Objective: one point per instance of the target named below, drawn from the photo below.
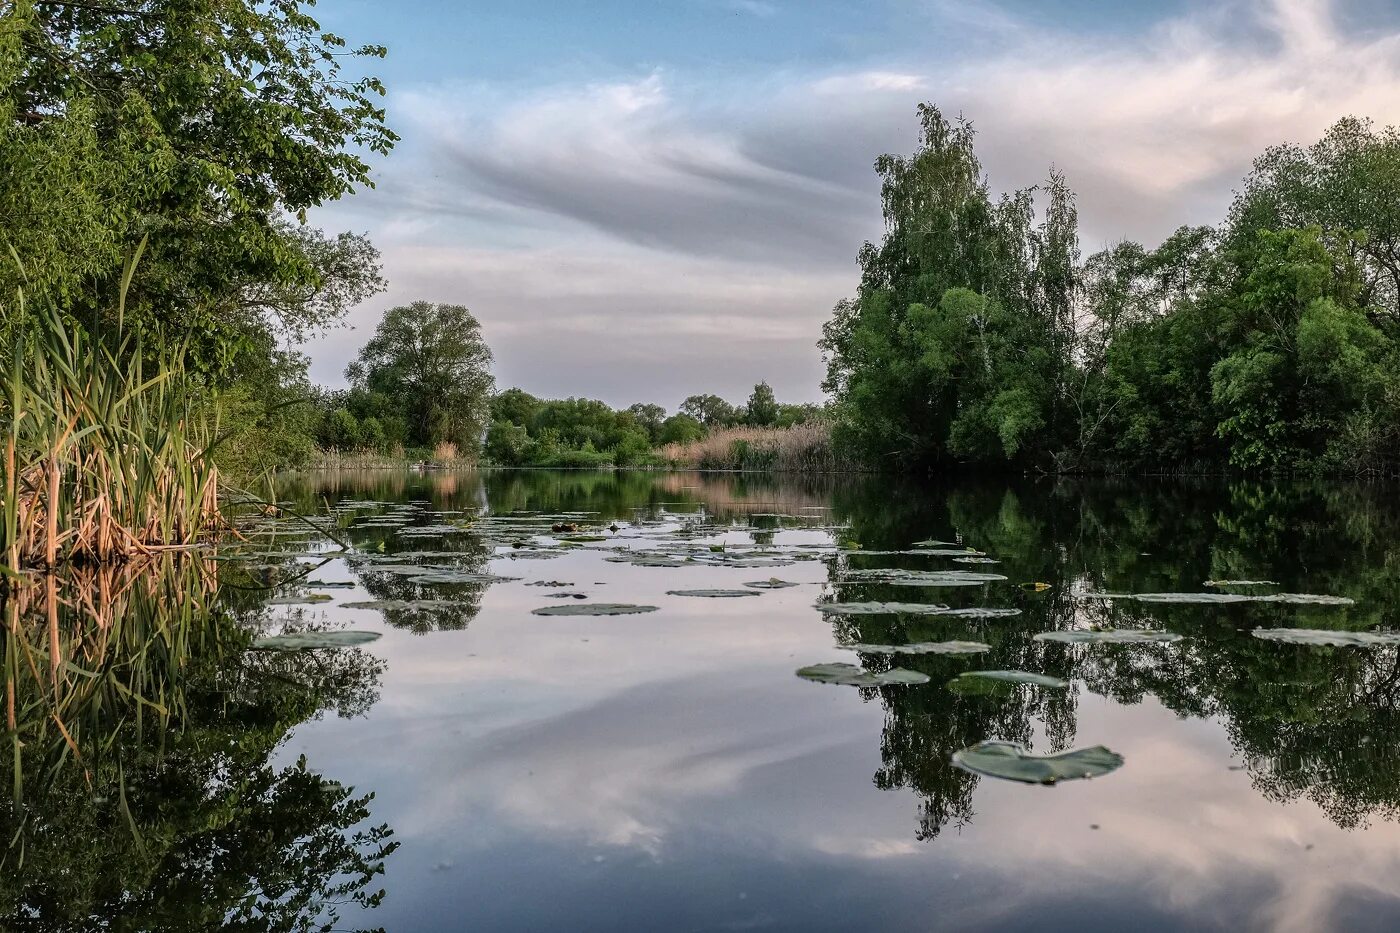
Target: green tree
(710, 410)
(895, 353)
(649, 417)
(200, 126)
(431, 361)
(680, 429)
(762, 407)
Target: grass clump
(104, 458)
(800, 448)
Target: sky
(641, 201)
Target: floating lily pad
(301, 600)
(1308, 599)
(1190, 598)
(1011, 761)
(402, 604)
(841, 673)
(1119, 636)
(593, 609)
(1298, 599)
(935, 543)
(306, 641)
(713, 594)
(924, 647)
(872, 608)
(549, 583)
(1017, 677)
(975, 560)
(332, 584)
(980, 612)
(771, 584)
(1312, 636)
(1240, 583)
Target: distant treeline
(978, 335)
(577, 432)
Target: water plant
(105, 457)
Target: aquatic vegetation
(927, 609)
(593, 609)
(1324, 637)
(104, 458)
(771, 584)
(1108, 636)
(1011, 761)
(312, 640)
(713, 594)
(1015, 677)
(923, 647)
(851, 675)
(900, 577)
(876, 608)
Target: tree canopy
(979, 336)
(430, 363)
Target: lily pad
(306, 641)
(1240, 583)
(713, 594)
(1191, 598)
(924, 647)
(980, 612)
(401, 604)
(1312, 636)
(771, 584)
(301, 600)
(975, 560)
(593, 609)
(1017, 677)
(1011, 761)
(841, 673)
(1117, 636)
(872, 608)
(1308, 599)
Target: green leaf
(1010, 761)
(851, 675)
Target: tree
(710, 410)
(431, 361)
(1346, 183)
(960, 287)
(649, 417)
(680, 429)
(198, 127)
(762, 407)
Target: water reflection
(668, 769)
(142, 736)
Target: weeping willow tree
(959, 344)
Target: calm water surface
(668, 770)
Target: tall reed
(103, 457)
(802, 448)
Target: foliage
(978, 337)
(102, 461)
(958, 344)
(429, 363)
(200, 127)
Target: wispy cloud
(675, 187)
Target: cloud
(715, 219)
(760, 8)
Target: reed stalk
(104, 458)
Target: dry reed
(103, 458)
(802, 448)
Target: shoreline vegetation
(157, 276)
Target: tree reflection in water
(1307, 723)
(142, 737)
